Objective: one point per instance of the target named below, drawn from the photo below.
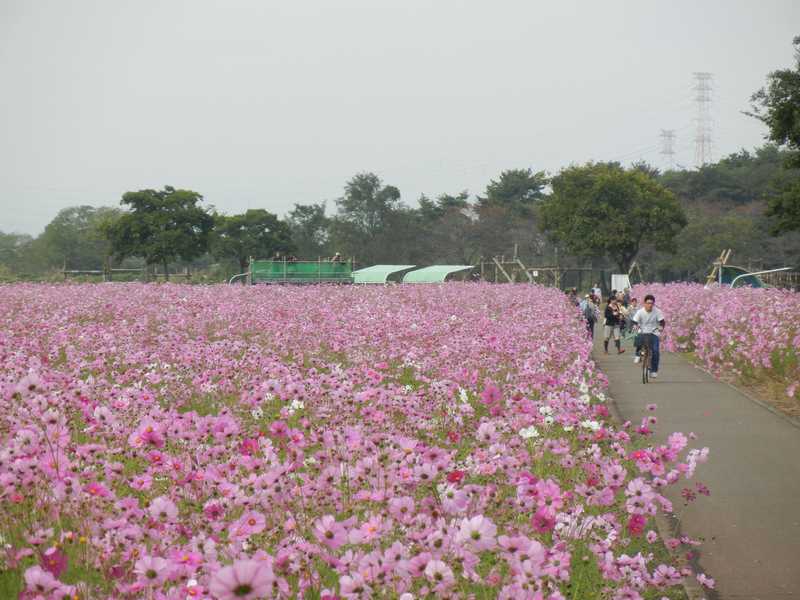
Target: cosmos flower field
(750, 335)
(190, 442)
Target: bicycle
(647, 356)
(646, 352)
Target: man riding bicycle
(650, 322)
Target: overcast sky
(261, 103)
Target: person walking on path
(650, 322)
(613, 319)
(589, 311)
(597, 293)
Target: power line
(668, 147)
(703, 140)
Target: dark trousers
(590, 327)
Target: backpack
(588, 312)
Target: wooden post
(503, 270)
(525, 270)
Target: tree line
(601, 215)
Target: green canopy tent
(434, 274)
(378, 273)
(731, 272)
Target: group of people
(623, 314)
(337, 258)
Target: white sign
(536, 273)
(619, 282)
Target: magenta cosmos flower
(244, 579)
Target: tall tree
(75, 237)
(517, 190)
(12, 250)
(365, 217)
(310, 230)
(604, 209)
(778, 107)
(257, 233)
(367, 203)
(161, 226)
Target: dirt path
(751, 521)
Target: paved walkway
(751, 521)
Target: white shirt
(648, 321)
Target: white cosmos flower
(548, 420)
(529, 432)
(589, 424)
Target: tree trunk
(166, 271)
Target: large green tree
(257, 233)
(778, 106)
(13, 247)
(310, 230)
(75, 237)
(517, 190)
(367, 203)
(161, 226)
(603, 209)
(368, 219)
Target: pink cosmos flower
(454, 500)
(151, 570)
(544, 520)
(213, 510)
(557, 565)
(96, 489)
(636, 524)
(163, 509)
(54, 561)
(491, 394)
(250, 523)
(279, 429)
(478, 533)
(243, 580)
(329, 532)
(401, 507)
(706, 581)
(39, 581)
(354, 586)
(440, 574)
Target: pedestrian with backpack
(589, 311)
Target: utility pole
(668, 147)
(702, 86)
